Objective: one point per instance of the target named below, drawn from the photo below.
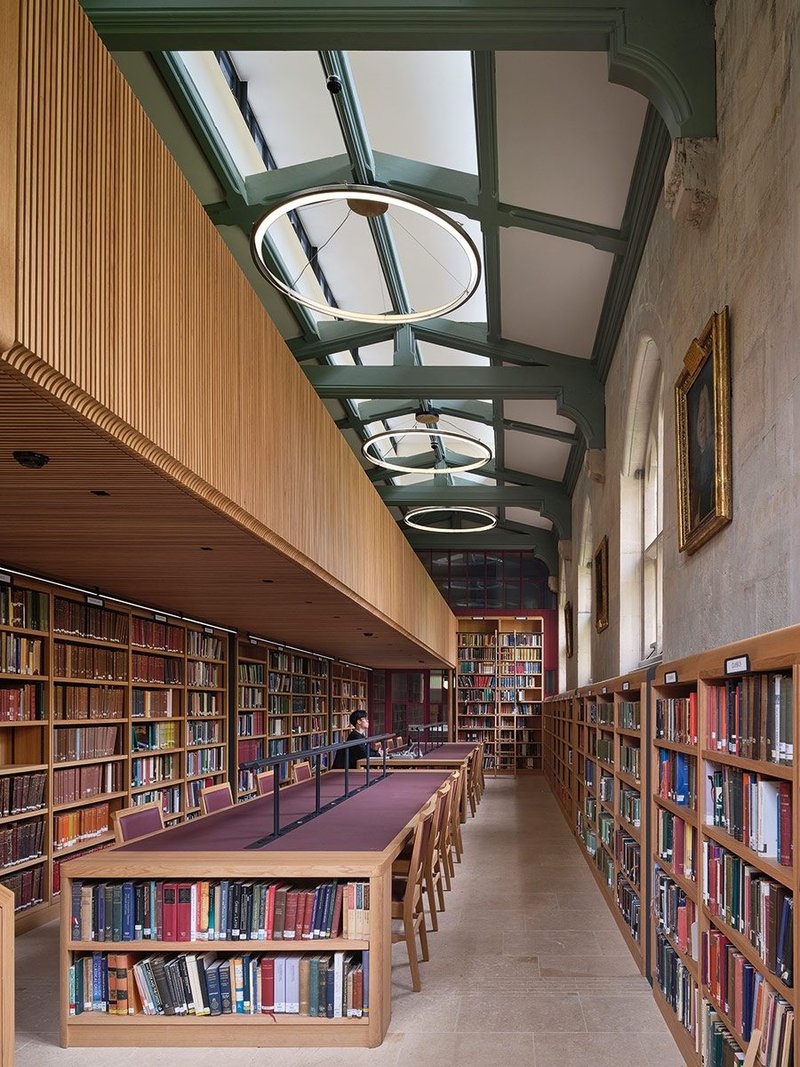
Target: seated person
(349, 757)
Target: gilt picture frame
(703, 436)
(568, 635)
(600, 569)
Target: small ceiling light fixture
(489, 520)
(429, 432)
(367, 201)
(99, 492)
(32, 460)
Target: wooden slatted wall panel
(127, 290)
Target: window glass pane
(512, 566)
(399, 685)
(512, 595)
(494, 594)
(529, 565)
(416, 685)
(494, 566)
(439, 565)
(529, 595)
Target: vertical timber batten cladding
(113, 277)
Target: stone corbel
(595, 464)
(690, 180)
(552, 583)
(565, 550)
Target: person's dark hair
(356, 715)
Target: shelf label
(670, 677)
(626, 685)
(95, 600)
(159, 618)
(737, 665)
(208, 629)
(604, 689)
(5, 577)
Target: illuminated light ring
(331, 193)
(430, 434)
(453, 509)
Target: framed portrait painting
(600, 567)
(568, 638)
(703, 436)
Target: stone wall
(746, 580)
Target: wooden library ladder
(6, 977)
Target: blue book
(223, 924)
(214, 991)
(99, 911)
(128, 912)
(329, 993)
(76, 912)
(747, 1001)
(681, 778)
(313, 983)
(225, 990)
(782, 941)
(98, 1004)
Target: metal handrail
(435, 728)
(316, 755)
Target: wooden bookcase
(282, 706)
(559, 751)
(349, 693)
(500, 690)
(115, 700)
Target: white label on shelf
(604, 689)
(737, 665)
(159, 618)
(208, 629)
(95, 600)
(5, 577)
(626, 685)
(670, 677)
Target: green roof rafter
(554, 504)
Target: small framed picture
(568, 638)
(703, 436)
(600, 568)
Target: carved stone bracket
(595, 464)
(690, 180)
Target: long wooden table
(447, 756)
(356, 840)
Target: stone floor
(528, 967)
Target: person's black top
(349, 757)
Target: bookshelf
(102, 707)
(349, 693)
(282, 706)
(500, 691)
(559, 751)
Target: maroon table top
(451, 751)
(367, 822)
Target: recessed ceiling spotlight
(268, 581)
(368, 633)
(99, 492)
(32, 460)
(205, 548)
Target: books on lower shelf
(676, 843)
(21, 655)
(675, 912)
(83, 824)
(676, 982)
(21, 703)
(753, 809)
(84, 742)
(677, 777)
(752, 717)
(21, 792)
(676, 719)
(219, 910)
(333, 985)
(77, 783)
(88, 702)
(86, 661)
(21, 841)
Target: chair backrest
(141, 819)
(439, 835)
(216, 798)
(265, 783)
(459, 777)
(422, 836)
(302, 771)
(398, 743)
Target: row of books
(223, 910)
(677, 777)
(676, 982)
(205, 761)
(676, 719)
(251, 698)
(77, 783)
(471, 695)
(332, 985)
(21, 655)
(154, 703)
(84, 742)
(205, 646)
(476, 640)
(720, 1049)
(203, 733)
(160, 636)
(516, 639)
(80, 825)
(753, 904)
(21, 841)
(601, 713)
(87, 620)
(524, 653)
(163, 669)
(628, 854)
(675, 912)
(154, 736)
(202, 705)
(24, 608)
(476, 666)
(756, 811)
(21, 703)
(345, 689)
(150, 770)
(630, 805)
(27, 886)
(630, 907)
(629, 760)
(740, 990)
(169, 797)
(676, 843)
(630, 715)
(86, 661)
(752, 717)
(89, 702)
(21, 792)
(203, 675)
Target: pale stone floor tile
(520, 969)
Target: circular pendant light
(411, 517)
(367, 201)
(430, 434)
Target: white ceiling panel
(287, 93)
(570, 148)
(419, 105)
(439, 356)
(552, 290)
(537, 413)
(535, 455)
(528, 516)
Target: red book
(693, 719)
(271, 909)
(337, 911)
(309, 914)
(170, 912)
(158, 918)
(267, 984)
(302, 904)
(184, 911)
(290, 916)
(785, 823)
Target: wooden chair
(216, 798)
(407, 894)
(302, 771)
(481, 781)
(137, 821)
(456, 841)
(471, 784)
(432, 860)
(446, 840)
(752, 1049)
(265, 783)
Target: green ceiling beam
(484, 100)
(554, 504)
(339, 336)
(664, 49)
(578, 397)
(542, 542)
(422, 461)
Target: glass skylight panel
(288, 96)
(342, 359)
(214, 92)
(537, 413)
(439, 356)
(529, 517)
(419, 105)
(379, 355)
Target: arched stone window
(583, 616)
